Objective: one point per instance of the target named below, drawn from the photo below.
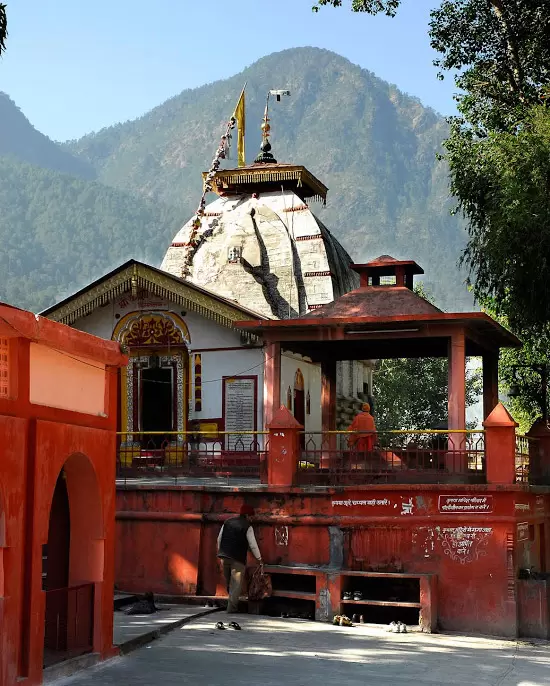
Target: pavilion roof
(377, 322)
(379, 301)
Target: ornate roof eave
(269, 173)
(136, 276)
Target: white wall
(312, 383)
(216, 365)
(212, 340)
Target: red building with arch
(58, 407)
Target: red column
(490, 383)
(284, 448)
(500, 446)
(456, 458)
(457, 381)
(272, 380)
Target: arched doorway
(154, 387)
(299, 409)
(299, 398)
(72, 561)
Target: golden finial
(265, 155)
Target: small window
(388, 280)
(234, 255)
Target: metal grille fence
(527, 453)
(341, 457)
(177, 454)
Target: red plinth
(500, 446)
(284, 447)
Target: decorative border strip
(198, 382)
(318, 273)
(308, 238)
(139, 276)
(298, 208)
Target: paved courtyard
(274, 652)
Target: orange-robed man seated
(364, 423)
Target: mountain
(19, 139)
(58, 229)
(374, 146)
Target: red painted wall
(36, 443)
(169, 535)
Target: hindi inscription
(240, 411)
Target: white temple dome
(265, 250)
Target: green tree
(515, 369)
(412, 393)
(3, 27)
(389, 7)
(499, 53)
(503, 185)
(499, 157)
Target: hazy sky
(75, 66)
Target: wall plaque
(240, 411)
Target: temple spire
(265, 156)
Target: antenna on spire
(265, 156)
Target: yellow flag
(240, 117)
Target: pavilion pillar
(272, 380)
(456, 460)
(328, 411)
(490, 383)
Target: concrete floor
(128, 627)
(277, 652)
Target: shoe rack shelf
(414, 593)
(381, 603)
(294, 595)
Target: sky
(74, 66)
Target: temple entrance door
(73, 562)
(157, 403)
(55, 573)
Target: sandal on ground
(235, 626)
(220, 625)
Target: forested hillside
(19, 139)
(372, 145)
(59, 232)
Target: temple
(260, 252)
(250, 351)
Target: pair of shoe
(231, 625)
(352, 595)
(358, 619)
(398, 628)
(342, 620)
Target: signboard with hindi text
(240, 399)
(461, 503)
